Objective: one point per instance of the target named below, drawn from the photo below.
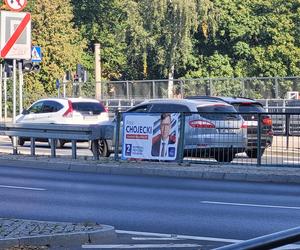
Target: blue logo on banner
(128, 149)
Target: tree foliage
(156, 39)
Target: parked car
(249, 109)
(210, 134)
(65, 111)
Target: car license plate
(227, 130)
(90, 117)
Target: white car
(65, 111)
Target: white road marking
(155, 238)
(248, 205)
(189, 237)
(140, 246)
(25, 188)
(181, 237)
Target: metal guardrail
(266, 242)
(54, 132)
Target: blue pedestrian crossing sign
(36, 54)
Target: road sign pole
(14, 89)
(5, 96)
(15, 150)
(21, 82)
(1, 82)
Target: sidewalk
(16, 233)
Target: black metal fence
(270, 139)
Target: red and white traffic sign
(15, 40)
(16, 5)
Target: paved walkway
(16, 232)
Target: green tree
(103, 22)
(62, 46)
(159, 35)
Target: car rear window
(216, 112)
(243, 107)
(90, 108)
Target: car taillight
(201, 124)
(69, 112)
(105, 108)
(267, 121)
(244, 125)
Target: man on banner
(163, 145)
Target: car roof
(186, 102)
(230, 100)
(73, 99)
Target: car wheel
(224, 156)
(252, 153)
(20, 141)
(102, 148)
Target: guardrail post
(14, 144)
(181, 138)
(259, 140)
(32, 146)
(117, 135)
(95, 149)
(53, 147)
(74, 149)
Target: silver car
(212, 129)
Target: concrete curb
(106, 233)
(195, 171)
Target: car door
(50, 113)
(32, 114)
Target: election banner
(150, 136)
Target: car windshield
(88, 107)
(219, 112)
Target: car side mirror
(25, 112)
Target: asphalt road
(218, 209)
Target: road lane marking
(24, 188)
(181, 237)
(189, 237)
(248, 205)
(155, 238)
(140, 246)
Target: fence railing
(252, 87)
(258, 144)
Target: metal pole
(153, 89)
(14, 90)
(1, 82)
(127, 90)
(276, 88)
(117, 134)
(15, 150)
(74, 149)
(64, 84)
(259, 140)
(21, 82)
(5, 96)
